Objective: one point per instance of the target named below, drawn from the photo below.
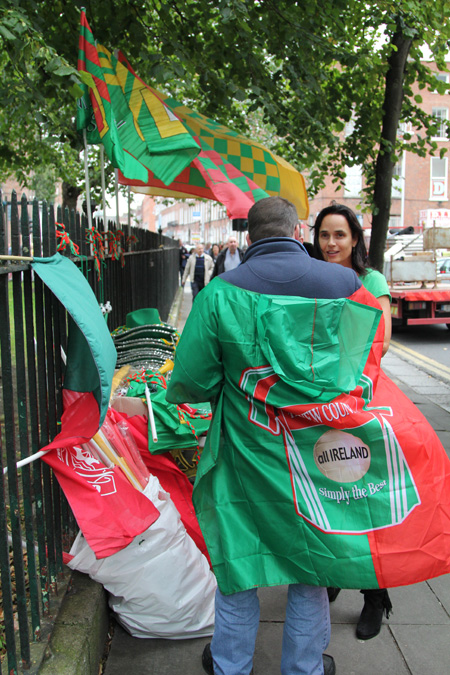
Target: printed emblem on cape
(89, 468)
(348, 472)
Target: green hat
(143, 317)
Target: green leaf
(76, 91)
(63, 71)
(7, 33)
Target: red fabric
(419, 547)
(172, 479)
(422, 542)
(109, 510)
(79, 421)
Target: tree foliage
(304, 71)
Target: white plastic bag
(160, 585)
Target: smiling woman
(336, 241)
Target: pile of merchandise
(159, 581)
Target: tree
(311, 69)
(306, 69)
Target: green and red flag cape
(316, 469)
(109, 511)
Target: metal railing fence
(133, 271)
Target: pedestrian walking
(230, 257)
(198, 269)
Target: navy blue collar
(274, 245)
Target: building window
(397, 181)
(438, 176)
(395, 222)
(441, 77)
(353, 181)
(441, 115)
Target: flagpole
(102, 166)
(129, 211)
(116, 173)
(86, 178)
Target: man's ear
(249, 242)
(297, 232)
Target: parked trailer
(417, 299)
(419, 306)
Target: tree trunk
(70, 194)
(392, 107)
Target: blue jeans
(305, 636)
(196, 287)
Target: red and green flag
(230, 168)
(109, 510)
(138, 130)
(94, 110)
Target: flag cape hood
(317, 469)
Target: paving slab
(154, 657)
(379, 656)
(272, 601)
(425, 649)
(347, 607)
(417, 604)
(441, 588)
(267, 657)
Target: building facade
(193, 221)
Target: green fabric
(174, 430)
(91, 355)
(243, 495)
(376, 283)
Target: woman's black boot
(376, 603)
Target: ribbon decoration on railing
(64, 241)
(95, 239)
(115, 247)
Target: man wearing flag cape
(317, 470)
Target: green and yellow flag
(230, 168)
(139, 132)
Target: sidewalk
(414, 641)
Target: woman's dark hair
(359, 251)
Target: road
(427, 347)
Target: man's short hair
(272, 217)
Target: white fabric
(160, 585)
